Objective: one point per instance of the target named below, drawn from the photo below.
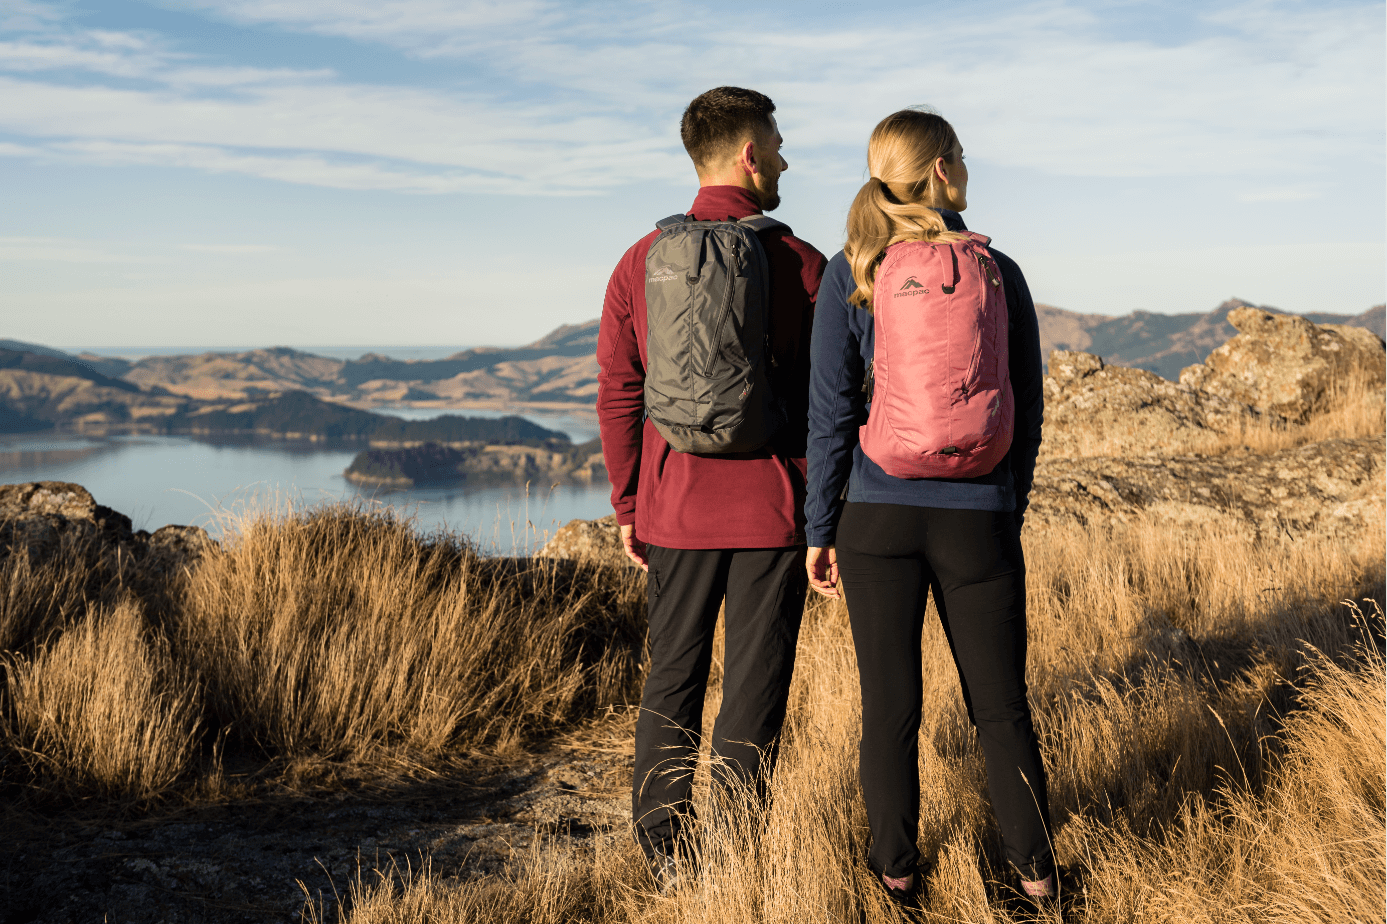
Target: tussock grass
(104, 710)
(341, 633)
(1352, 409)
(1211, 717)
(336, 636)
(47, 588)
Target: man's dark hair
(721, 119)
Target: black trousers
(764, 590)
(890, 557)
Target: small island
(435, 464)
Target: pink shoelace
(1041, 888)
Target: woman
(896, 539)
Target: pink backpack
(941, 397)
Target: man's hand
(822, 565)
(635, 549)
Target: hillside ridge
(557, 372)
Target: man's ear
(746, 159)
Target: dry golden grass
(104, 709)
(1354, 409)
(1210, 712)
(40, 594)
(343, 634)
(332, 637)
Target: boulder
(1093, 409)
(1286, 365)
(588, 540)
(59, 499)
(38, 515)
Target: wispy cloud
(1264, 87)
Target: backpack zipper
(726, 310)
(986, 267)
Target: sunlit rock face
(1093, 409)
(1285, 365)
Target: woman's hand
(822, 565)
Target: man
(712, 527)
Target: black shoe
(908, 898)
(664, 869)
(1066, 900)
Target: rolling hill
(556, 372)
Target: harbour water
(158, 480)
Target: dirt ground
(260, 858)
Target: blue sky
(299, 172)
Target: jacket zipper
(726, 310)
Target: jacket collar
(723, 203)
(952, 220)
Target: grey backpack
(707, 297)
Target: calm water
(157, 480)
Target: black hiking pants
(764, 591)
(890, 558)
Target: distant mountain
(1163, 343)
(106, 365)
(556, 372)
(19, 346)
(570, 340)
(211, 376)
(56, 363)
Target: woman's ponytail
(890, 206)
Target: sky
(386, 172)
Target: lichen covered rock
(37, 516)
(588, 540)
(1286, 365)
(1093, 409)
(1322, 486)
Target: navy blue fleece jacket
(840, 348)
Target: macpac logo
(664, 274)
(912, 287)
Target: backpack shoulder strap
(759, 223)
(665, 224)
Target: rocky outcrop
(36, 513)
(588, 540)
(1326, 486)
(1286, 365)
(39, 515)
(1093, 409)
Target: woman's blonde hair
(891, 206)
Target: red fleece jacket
(751, 500)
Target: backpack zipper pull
(986, 266)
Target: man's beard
(769, 199)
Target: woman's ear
(941, 171)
